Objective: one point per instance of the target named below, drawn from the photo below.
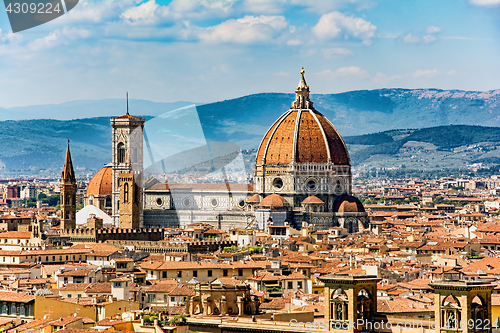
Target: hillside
(36, 147)
(453, 147)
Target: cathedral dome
(273, 201)
(101, 183)
(348, 204)
(302, 135)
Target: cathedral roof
(101, 183)
(68, 173)
(302, 135)
(273, 201)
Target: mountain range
(382, 128)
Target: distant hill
(452, 147)
(36, 146)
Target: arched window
(121, 153)
(107, 202)
(125, 192)
(5, 308)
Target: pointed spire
(302, 94)
(127, 104)
(68, 173)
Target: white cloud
(249, 29)
(336, 24)
(411, 39)
(197, 10)
(294, 42)
(330, 52)
(425, 73)
(46, 42)
(432, 29)
(485, 2)
(343, 71)
(264, 6)
(144, 13)
(429, 38)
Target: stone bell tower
(127, 158)
(350, 301)
(462, 306)
(68, 194)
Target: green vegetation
(251, 250)
(178, 320)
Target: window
(120, 153)
(172, 299)
(299, 284)
(224, 272)
(179, 274)
(151, 298)
(164, 274)
(290, 285)
(118, 285)
(125, 192)
(195, 273)
(69, 296)
(209, 273)
(240, 272)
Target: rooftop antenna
(127, 103)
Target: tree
(42, 196)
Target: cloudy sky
(205, 51)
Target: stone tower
(68, 194)
(129, 201)
(462, 306)
(350, 301)
(127, 158)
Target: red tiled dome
(312, 199)
(302, 135)
(101, 183)
(348, 204)
(273, 201)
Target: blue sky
(205, 51)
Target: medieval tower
(68, 194)
(127, 159)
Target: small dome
(43, 292)
(273, 201)
(348, 204)
(254, 199)
(102, 182)
(312, 199)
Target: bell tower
(68, 194)
(127, 159)
(462, 306)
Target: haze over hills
(36, 147)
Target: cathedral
(302, 174)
